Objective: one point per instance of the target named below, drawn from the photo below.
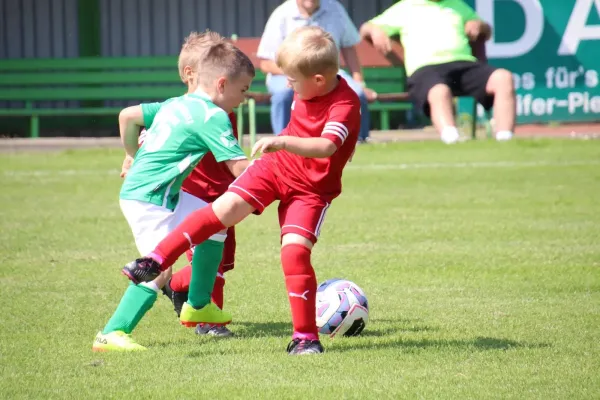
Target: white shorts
(151, 223)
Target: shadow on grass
(245, 329)
(376, 328)
(386, 327)
(479, 344)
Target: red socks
(180, 282)
(217, 294)
(301, 284)
(195, 229)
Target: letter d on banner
(534, 27)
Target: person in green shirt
(180, 131)
(439, 62)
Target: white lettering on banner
(534, 28)
(562, 78)
(559, 77)
(575, 102)
(577, 30)
(525, 81)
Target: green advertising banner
(552, 47)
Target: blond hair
(308, 50)
(210, 55)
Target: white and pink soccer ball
(342, 308)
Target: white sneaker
(450, 137)
(504, 135)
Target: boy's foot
(115, 341)
(303, 346)
(216, 331)
(143, 269)
(209, 314)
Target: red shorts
(300, 212)
(228, 261)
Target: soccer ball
(342, 308)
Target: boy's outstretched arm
(130, 121)
(306, 147)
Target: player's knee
(231, 208)
(438, 94)
(500, 81)
(294, 238)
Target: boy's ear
(188, 73)
(319, 79)
(221, 84)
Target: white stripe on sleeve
(343, 128)
(336, 133)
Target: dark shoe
(216, 331)
(300, 347)
(143, 269)
(177, 298)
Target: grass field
(481, 263)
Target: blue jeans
(282, 97)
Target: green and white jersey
(181, 131)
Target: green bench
(94, 80)
(91, 82)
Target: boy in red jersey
(302, 167)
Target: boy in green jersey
(181, 131)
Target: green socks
(135, 303)
(205, 265)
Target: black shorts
(465, 78)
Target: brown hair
(210, 55)
(309, 50)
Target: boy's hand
(126, 165)
(268, 145)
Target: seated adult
(439, 63)
(329, 15)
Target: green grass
(481, 263)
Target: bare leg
(442, 112)
(500, 85)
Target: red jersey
(335, 116)
(210, 179)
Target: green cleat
(115, 341)
(209, 314)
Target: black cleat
(302, 346)
(177, 298)
(142, 270)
